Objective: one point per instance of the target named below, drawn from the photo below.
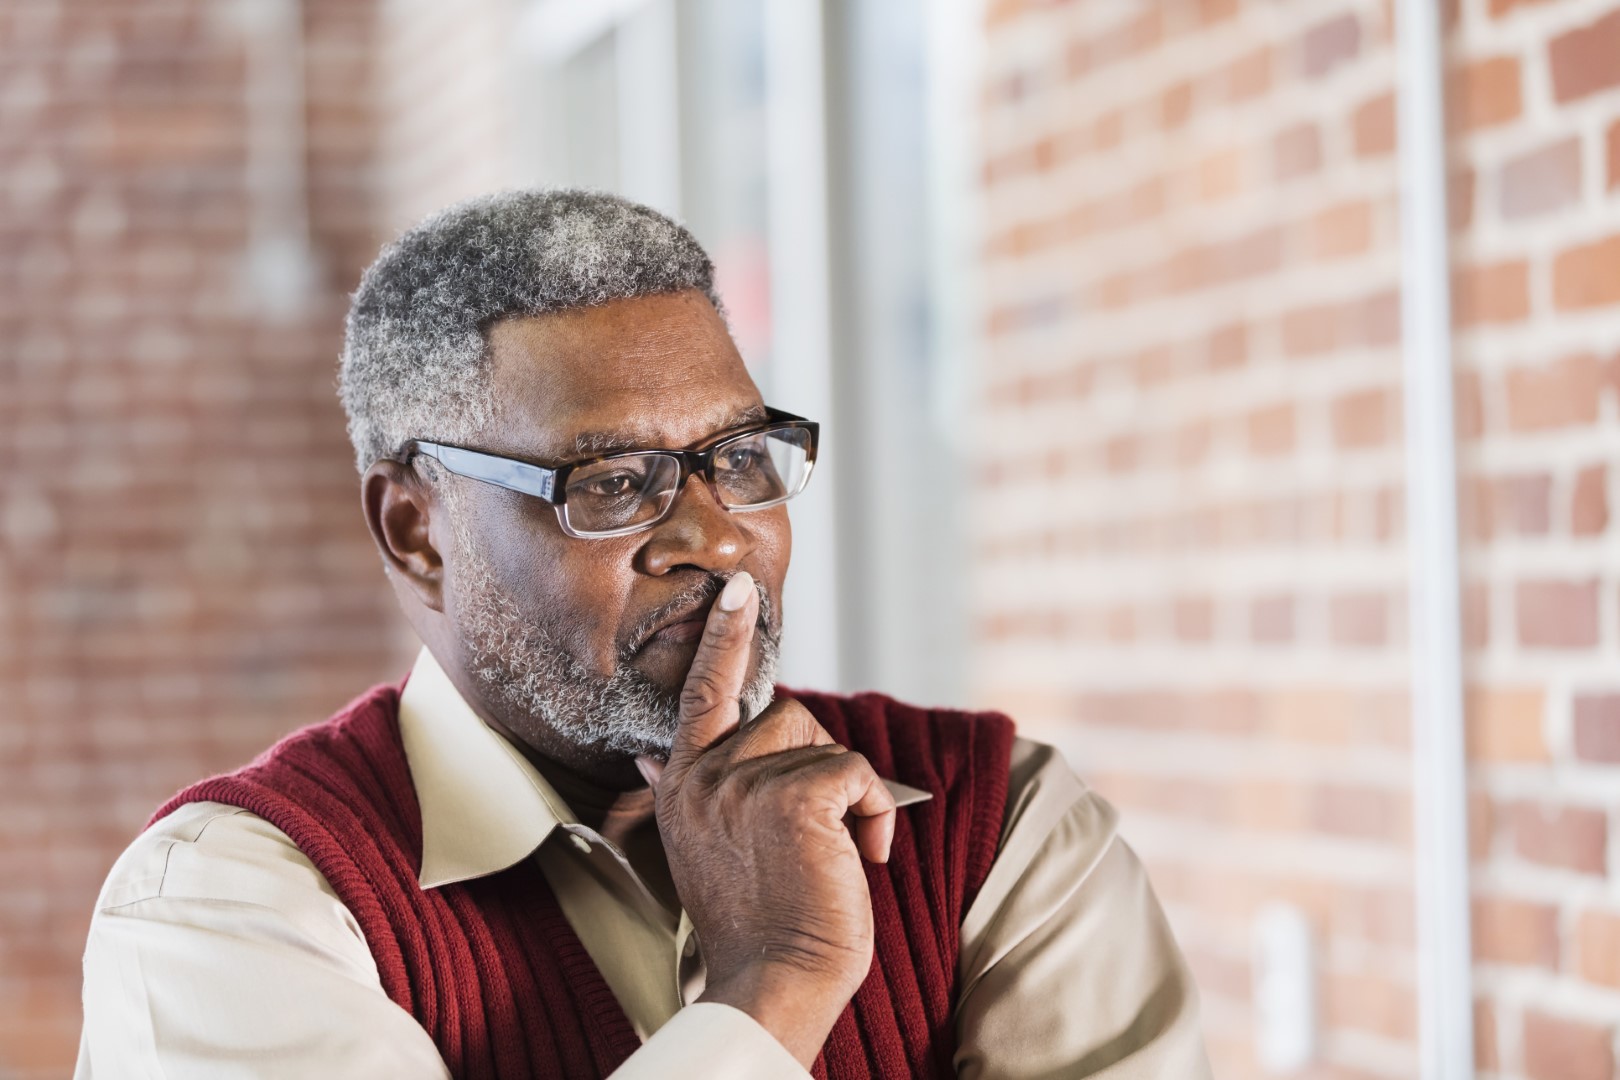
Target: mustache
(698, 595)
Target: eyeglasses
(623, 493)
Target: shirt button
(690, 947)
(580, 842)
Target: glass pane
(763, 468)
(620, 492)
(723, 165)
(578, 102)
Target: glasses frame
(550, 483)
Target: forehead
(656, 371)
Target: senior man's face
(580, 646)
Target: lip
(684, 624)
(683, 632)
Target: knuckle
(706, 773)
(701, 692)
(854, 761)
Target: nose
(698, 534)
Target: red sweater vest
(494, 973)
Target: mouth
(679, 622)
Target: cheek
(773, 541)
(569, 588)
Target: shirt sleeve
(1068, 966)
(218, 951)
(707, 1039)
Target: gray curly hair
(413, 351)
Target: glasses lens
(763, 468)
(620, 493)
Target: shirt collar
(484, 806)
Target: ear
(399, 511)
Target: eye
(610, 486)
(740, 458)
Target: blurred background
(1101, 305)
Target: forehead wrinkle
(589, 443)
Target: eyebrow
(591, 443)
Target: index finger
(709, 710)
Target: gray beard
(528, 670)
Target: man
(586, 836)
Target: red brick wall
(184, 573)
(1541, 364)
(1189, 559)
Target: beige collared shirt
(218, 951)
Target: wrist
(797, 1009)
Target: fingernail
(644, 767)
(736, 592)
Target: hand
(753, 826)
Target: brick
(1460, 189)
(1271, 620)
(1271, 430)
(1541, 181)
(1494, 293)
(1359, 620)
(1249, 256)
(1476, 615)
(1480, 829)
(1484, 94)
(1557, 614)
(1109, 130)
(1597, 947)
(1222, 174)
(1329, 44)
(1249, 76)
(1362, 419)
(1122, 454)
(1559, 1049)
(1193, 441)
(1588, 275)
(1325, 715)
(1373, 320)
(1368, 813)
(1005, 11)
(1468, 405)
(1521, 505)
(1228, 347)
(1371, 1003)
(1500, 8)
(1597, 728)
(1310, 331)
(1342, 230)
(1146, 200)
(1476, 509)
(1486, 1056)
(1612, 145)
(1153, 366)
(1175, 106)
(1505, 725)
(1572, 838)
(1589, 509)
(1372, 126)
(1194, 618)
(1517, 932)
(1583, 60)
(1296, 151)
(1561, 394)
